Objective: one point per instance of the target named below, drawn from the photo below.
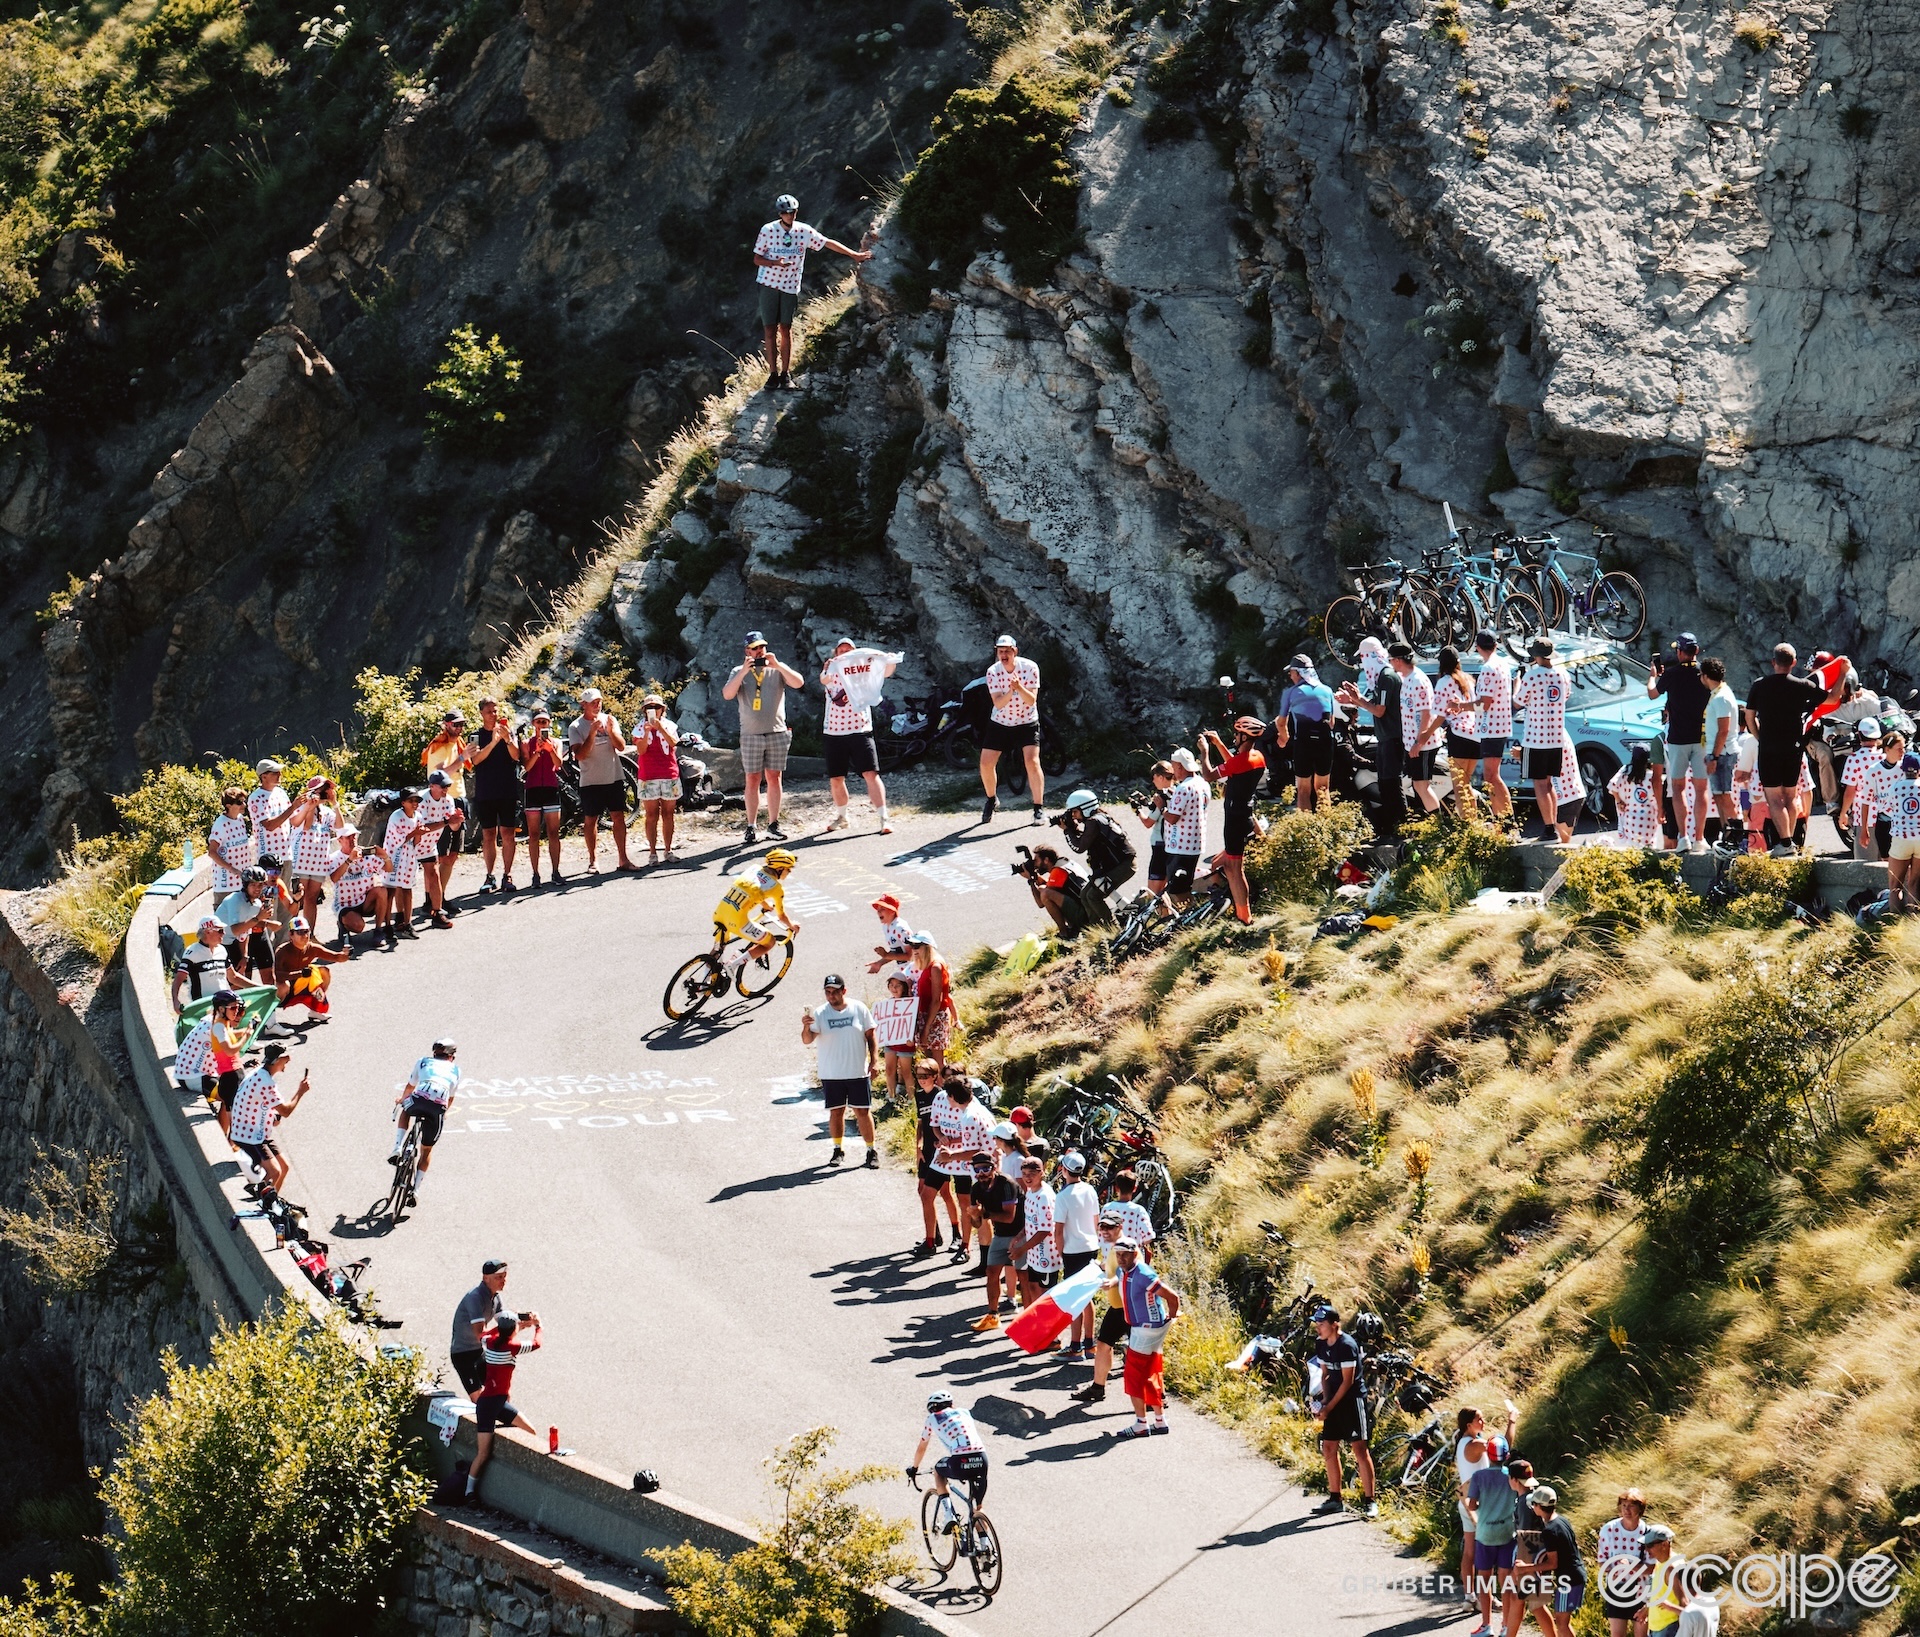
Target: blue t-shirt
(1498, 1508)
(1309, 701)
(1138, 1307)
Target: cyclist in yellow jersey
(743, 912)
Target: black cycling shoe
(835, 1157)
(872, 1161)
(986, 810)
(1092, 1393)
(922, 1251)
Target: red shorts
(1142, 1378)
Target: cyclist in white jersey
(965, 1458)
(426, 1096)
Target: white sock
(470, 1483)
(883, 812)
(399, 1138)
(419, 1181)
(840, 814)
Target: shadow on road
(779, 1184)
(1264, 1537)
(924, 1588)
(1095, 1444)
(703, 1028)
(372, 1223)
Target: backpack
(371, 821)
(451, 1490)
(172, 947)
(1108, 850)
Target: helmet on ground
(444, 1047)
(780, 860)
(1082, 801)
(939, 1399)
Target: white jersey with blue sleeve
(954, 1428)
(436, 1079)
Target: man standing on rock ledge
(780, 253)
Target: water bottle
(553, 1440)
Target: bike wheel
(986, 1555)
(691, 987)
(759, 974)
(1155, 1193)
(959, 751)
(943, 1546)
(1617, 607)
(1348, 620)
(1429, 616)
(1545, 590)
(1518, 622)
(403, 1175)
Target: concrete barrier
(567, 1496)
(1835, 879)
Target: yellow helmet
(780, 861)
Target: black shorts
(1072, 1261)
(1620, 1611)
(454, 834)
(1494, 747)
(258, 1151)
(495, 1412)
(936, 1180)
(849, 753)
(1420, 767)
(1114, 1328)
(1541, 765)
(849, 1093)
(1001, 737)
(470, 1365)
(1461, 749)
(1180, 868)
(431, 1115)
(1238, 832)
(1312, 752)
(598, 800)
(968, 1467)
(1157, 863)
(1348, 1422)
(500, 814)
(260, 953)
(229, 1085)
(1779, 769)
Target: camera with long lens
(1026, 866)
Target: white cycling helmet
(444, 1047)
(939, 1399)
(1084, 801)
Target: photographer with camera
(1088, 831)
(759, 685)
(1240, 774)
(1072, 900)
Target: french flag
(1826, 675)
(1040, 1325)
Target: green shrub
(474, 389)
(396, 716)
(268, 1491)
(1624, 888)
(1296, 858)
(1445, 862)
(55, 1612)
(999, 153)
(807, 1575)
(1780, 878)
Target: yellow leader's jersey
(748, 895)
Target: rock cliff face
(1644, 263)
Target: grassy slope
(1772, 1398)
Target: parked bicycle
(1114, 1132)
(1392, 603)
(1590, 602)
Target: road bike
(1610, 605)
(1392, 603)
(1251, 1276)
(1476, 601)
(1114, 1132)
(707, 977)
(405, 1169)
(1424, 1456)
(952, 1529)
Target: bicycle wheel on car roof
(1545, 589)
(1518, 621)
(1617, 607)
(1347, 621)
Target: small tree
(806, 1577)
(397, 716)
(474, 388)
(267, 1492)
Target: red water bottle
(553, 1440)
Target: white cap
(590, 696)
(269, 765)
(1183, 757)
(1004, 641)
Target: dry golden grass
(1444, 1119)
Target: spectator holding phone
(493, 771)
(758, 685)
(657, 738)
(540, 758)
(596, 742)
(258, 1110)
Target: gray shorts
(764, 752)
(1686, 761)
(998, 1251)
(777, 307)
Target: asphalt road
(709, 1286)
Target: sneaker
(405, 931)
(1370, 1510)
(507, 886)
(449, 906)
(441, 921)
(837, 822)
(1039, 816)
(886, 825)
(489, 885)
(987, 809)
(774, 832)
(1698, 847)
(872, 1161)
(921, 1251)
(837, 1156)
(534, 880)
(986, 1321)
(1333, 1503)
(276, 1030)
(958, 1255)
(389, 942)
(749, 835)
(556, 877)
(1092, 1393)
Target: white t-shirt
(1077, 1209)
(206, 969)
(195, 1054)
(963, 1129)
(789, 247)
(893, 1020)
(861, 675)
(1746, 753)
(264, 807)
(1041, 1255)
(1722, 703)
(840, 1043)
(1903, 808)
(1493, 693)
(256, 1108)
(1416, 702)
(1542, 694)
(1639, 817)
